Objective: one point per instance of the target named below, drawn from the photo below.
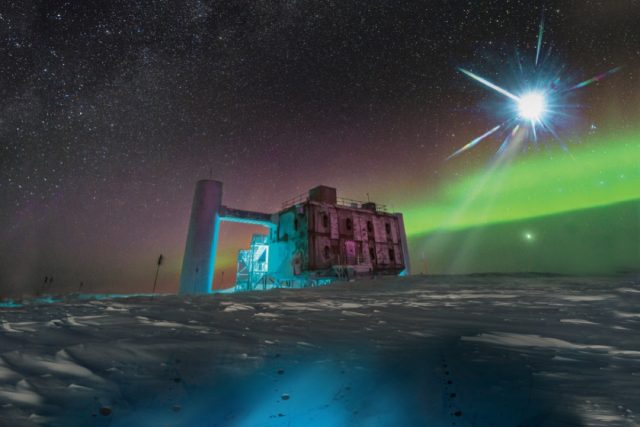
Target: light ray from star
(538, 108)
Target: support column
(405, 246)
(202, 240)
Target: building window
(325, 220)
(327, 252)
(369, 226)
(295, 224)
(387, 227)
(372, 254)
(392, 255)
(349, 224)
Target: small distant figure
(48, 281)
(81, 286)
(44, 285)
(155, 281)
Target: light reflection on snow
(517, 351)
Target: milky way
(112, 110)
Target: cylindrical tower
(202, 240)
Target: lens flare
(538, 111)
(531, 106)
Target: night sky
(111, 111)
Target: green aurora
(551, 211)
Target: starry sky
(111, 111)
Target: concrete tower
(202, 239)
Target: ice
(6, 326)
(415, 351)
(586, 298)
(161, 323)
(577, 322)
(627, 315)
(237, 307)
(524, 340)
(77, 387)
(6, 373)
(71, 320)
(267, 315)
(418, 334)
(116, 308)
(60, 364)
(353, 313)
(629, 290)
(21, 393)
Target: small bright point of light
(531, 106)
(528, 236)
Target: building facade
(318, 238)
(314, 239)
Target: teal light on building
(313, 240)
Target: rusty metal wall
(328, 228)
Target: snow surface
(416, 351)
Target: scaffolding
(253, 263)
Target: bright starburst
(534, 111)
(531, 106)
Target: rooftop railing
(341, 201)
(300, 198)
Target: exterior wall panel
(394, 229)
(326, 226)
(333, 218)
